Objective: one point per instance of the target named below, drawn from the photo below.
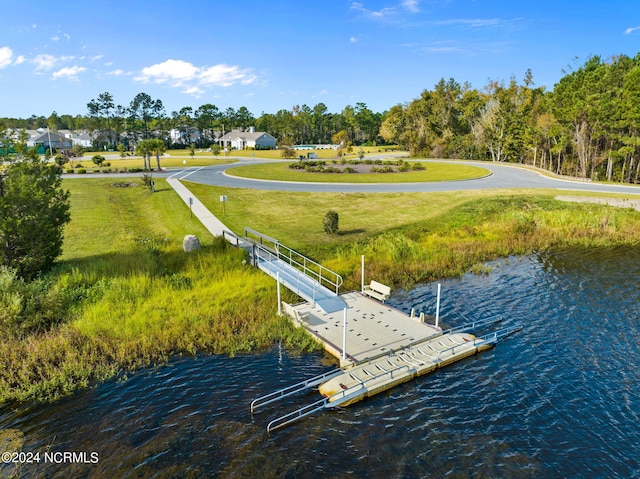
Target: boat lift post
(438, 306)
(362, 282)
(344, 335)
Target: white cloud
(6, 55)
(373, 14)
(174, 72)
(179, 73)
(411, 5)
(353, 39)
(70, 73)
(194, 90)
(20, 59)
(471, 22)
(225, 75)
(45, 62)
(117, 72)
(630, 30)
(56, 37)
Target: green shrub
(81, 171)
(98, 159)
(28, 307)
(330, 222)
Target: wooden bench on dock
(378, 291)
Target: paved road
(502, 176)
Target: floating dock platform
(384, 348)
(377, 345)
(373, 328)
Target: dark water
(559, 399)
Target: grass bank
(120, 165)
(137, 299)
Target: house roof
(244, 135)
(44, 137)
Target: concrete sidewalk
(213, 224)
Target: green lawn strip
(295, 218)
(434, 172)
(137, 162)
(106, 217)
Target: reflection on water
(559, 399)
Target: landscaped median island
(130, 297)
(360, 171)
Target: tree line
(586, 126)
(146, 118)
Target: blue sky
(270, 55)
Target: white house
(239, 139)
(83, 139)
(181, 136)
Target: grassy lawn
(133, 298)
(295, 218)
(433, 172)
(136, 162)
(107, 219)
(268, 154)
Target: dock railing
(293, 389)
(491, 338)
(268, 249)
(475, 325)
(231, 238)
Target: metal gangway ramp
(309, 280)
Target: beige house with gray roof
(240, 139)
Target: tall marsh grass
(167, 304)
(466, 236)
